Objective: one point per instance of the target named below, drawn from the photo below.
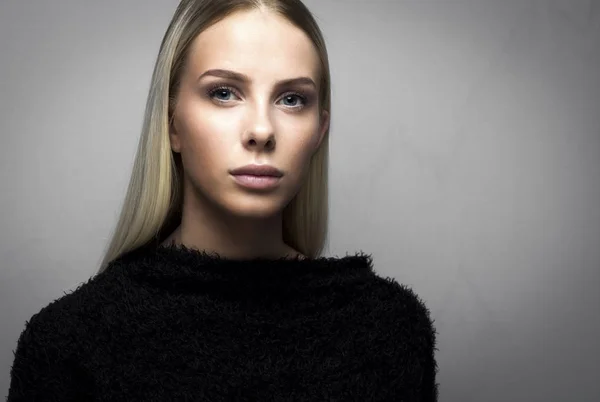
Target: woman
(213, 286)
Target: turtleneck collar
(180, 266)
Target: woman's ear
(174, 137)
(323, 126)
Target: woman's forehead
(255, 43)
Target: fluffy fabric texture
(172, 323)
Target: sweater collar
(168, 265)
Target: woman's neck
(283, 250)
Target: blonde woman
(213, 286)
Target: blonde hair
(153, 203)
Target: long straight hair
(152, 206)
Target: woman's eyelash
(214, 89)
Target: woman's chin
(255, 209)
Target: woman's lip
(257, 182)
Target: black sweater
(176, 324)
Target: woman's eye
(222, 94)
(291, 98)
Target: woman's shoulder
(399, 294)
(401, 301)
(58, 310)
(53, 342)
(57, 323)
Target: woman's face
(223, 121)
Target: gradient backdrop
(465, 156)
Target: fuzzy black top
(172, 323)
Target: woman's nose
(260, 130)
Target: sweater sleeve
(429, 386)
(42, 369)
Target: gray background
(465, 156)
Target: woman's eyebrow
(232, 75)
